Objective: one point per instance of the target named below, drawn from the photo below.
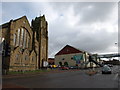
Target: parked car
(73, 67)
(54, 66)
(64, 67)
(110, 65)
(106, 69)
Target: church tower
(40, 30)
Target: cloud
(90, 26)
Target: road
(74, 79)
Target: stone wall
(27, 46)
(39, 26)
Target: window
(28, 42)
(21, 39)
(3, 52)
(17, 57)
(24, 42)
(25, 57)
(24, 22)
(32, 58)
(18, 37)
(71, 58)
(14, 39)
(63, 58)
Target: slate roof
(68, 50)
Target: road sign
(45, 64)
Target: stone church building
(25, 46)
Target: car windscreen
(106, 68)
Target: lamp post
(118, 67)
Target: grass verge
(28, 72)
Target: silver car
(106, 69)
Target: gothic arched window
(24, 42)
(14, 39)
(21, 37)
(18, 37)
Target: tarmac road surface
(75, 79)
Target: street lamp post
(118, 67)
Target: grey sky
(89, 26)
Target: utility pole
(118, 68)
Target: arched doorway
(65, 63)
(60, 63)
